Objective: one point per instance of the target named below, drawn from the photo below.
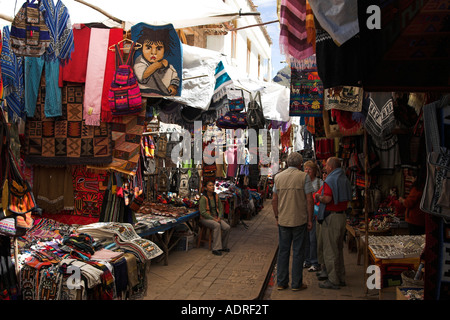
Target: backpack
(174, 181)
(29, 35)
(124, 96)
(163, 180)
(255, 115)
(194, 180)
(183, 190)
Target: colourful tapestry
(89, 187)
(66, 140)
(306, 89)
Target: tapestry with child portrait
(158, 64)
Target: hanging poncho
(57, 19)
(13, 78)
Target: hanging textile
(346, 124)
(223, 80)
(339, 18)
(88, 191)
(158, 74)
(75, 69)
(306, 94)
(53, 188)
(338, 65)
(66, 140)
(57, 19)
(293, 33)
(33, 71)
(92, 103)
(380, 118)
(344, 98)
(13, 79)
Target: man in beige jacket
(293, 208)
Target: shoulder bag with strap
(255, 115)
(29, 33)
(124, 95)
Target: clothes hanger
(125, 49)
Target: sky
(268, 10)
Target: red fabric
(69, 218)
(413, 213)
(115, 35)
(75, 69)
(341, 206)
(324, 148)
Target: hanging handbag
(124, 96)
(30, 35)
(18, 201)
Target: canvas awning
(180, 13)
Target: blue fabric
(57, 19)
(311, 247)
(33, 72)
(287, 237)
(13, 79)
(340, 187)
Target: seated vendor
(211, 216)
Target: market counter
(163, 233)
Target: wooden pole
(100, 10)
(366, 206)
(254, 25)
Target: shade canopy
(180, 13)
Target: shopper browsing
(292, 205)
(333, 201)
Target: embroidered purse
(124, 95)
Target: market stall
(110, 180)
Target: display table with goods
(395, 255)
(99, 261)
(159, 221)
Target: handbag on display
(124, 95)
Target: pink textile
(95, 74)
(293, 35)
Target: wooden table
(163, 233)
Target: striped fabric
(29, 32)
(293, 35)
(222, 81)
(13, 79)
(57, 19)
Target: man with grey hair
(333, 201)
(293, 208)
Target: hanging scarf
(13, 78)
(96, 65)
(57, 19)
(293, 34)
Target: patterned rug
(66, 140)
(89, 187)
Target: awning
(180, 13)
